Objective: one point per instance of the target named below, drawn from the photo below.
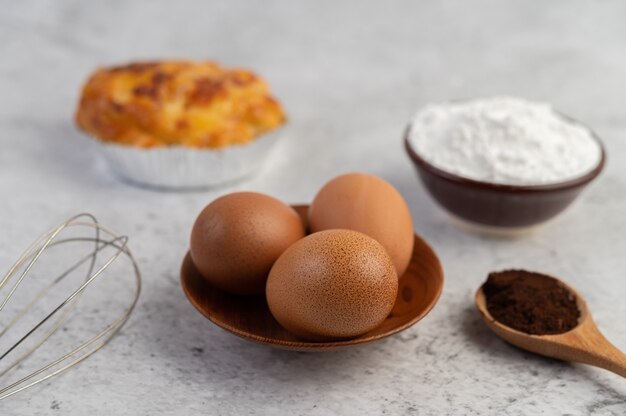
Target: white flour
(503, 140)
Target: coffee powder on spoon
(530, 302)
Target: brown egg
(332, 284)
(237, 238)
(366, 203)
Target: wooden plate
(250, 318)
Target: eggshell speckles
(237, 238)
(332, 284)
(368, 204)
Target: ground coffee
(530, 302)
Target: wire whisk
(102, 240)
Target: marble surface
(350, 74)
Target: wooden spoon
(584, 343)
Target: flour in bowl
(504, 140)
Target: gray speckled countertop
(350, 74)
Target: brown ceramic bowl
(496, 206)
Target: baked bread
(177, 103)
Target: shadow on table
(500, 352)
(188, 343)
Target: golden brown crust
(152, 104)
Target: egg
(366, 203)
(332, 284)
(237, 238)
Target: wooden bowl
(250, 318)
